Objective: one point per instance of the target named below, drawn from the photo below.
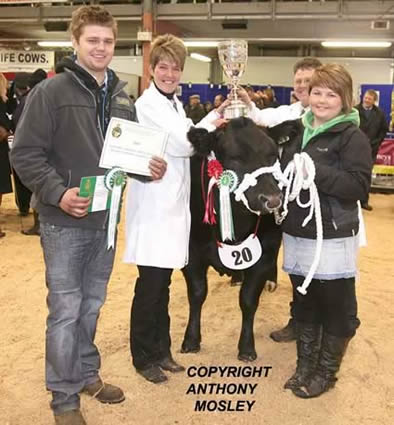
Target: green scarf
(310, 132)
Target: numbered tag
(241, 256)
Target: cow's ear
(203, 141)
(286, 131)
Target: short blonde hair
(336, 78)
(168, 47)
(91, 15)
(3, 88)
(372, 93)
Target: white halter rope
(300, 175)
(250, 180)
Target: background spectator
(374, 124)
(208, 107)
(5, 126)
(218, 100)
(269, 99)
(23, 195)
(194, 110)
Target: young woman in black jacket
(327, 314)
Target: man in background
(218, 100)
(23, 195)
(194, 110)
(374, 124)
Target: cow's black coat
(241, 147)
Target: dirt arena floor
(364, 394)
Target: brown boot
(104, 393)
(333, 349)
(71, 417)
(35, 229)
(308, 347)
(286, 334)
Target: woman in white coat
(158, 215)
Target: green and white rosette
(227, 183)
(114, 180)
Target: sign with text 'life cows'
(25, 1)
(21, 60)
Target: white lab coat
(270, 117)
(157, 212)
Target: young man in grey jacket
(58, 141)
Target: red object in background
(386, 153)
(11, 75)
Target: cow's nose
(271, 202)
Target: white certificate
(130, 146)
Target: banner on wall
(28, 2)
(20, 60)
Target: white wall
(195, 71)
(268, 70)
(129, 68)
(279, 71)
(132, 82)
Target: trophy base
(235, 110)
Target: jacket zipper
(98, 124)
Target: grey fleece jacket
(59, 140)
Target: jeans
(78, 267)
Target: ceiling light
(200, 57)
(54, 43)
(372, 44)
(201, 43)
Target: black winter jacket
(342, 158)
(374, 126)
(59, 139)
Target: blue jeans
(78, 267)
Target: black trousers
(331, 303)
(22, 194)
(150, 322)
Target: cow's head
(243, 147)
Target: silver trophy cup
(233, 55)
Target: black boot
(308, 347)
(169, 364)
(286, 334)
(330, 358)
(35, 230)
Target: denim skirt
(338, 259)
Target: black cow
(242, 147)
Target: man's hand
(243, 95)
(157, 167)
(222, 107)
(73, 204)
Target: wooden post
(147, 25)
